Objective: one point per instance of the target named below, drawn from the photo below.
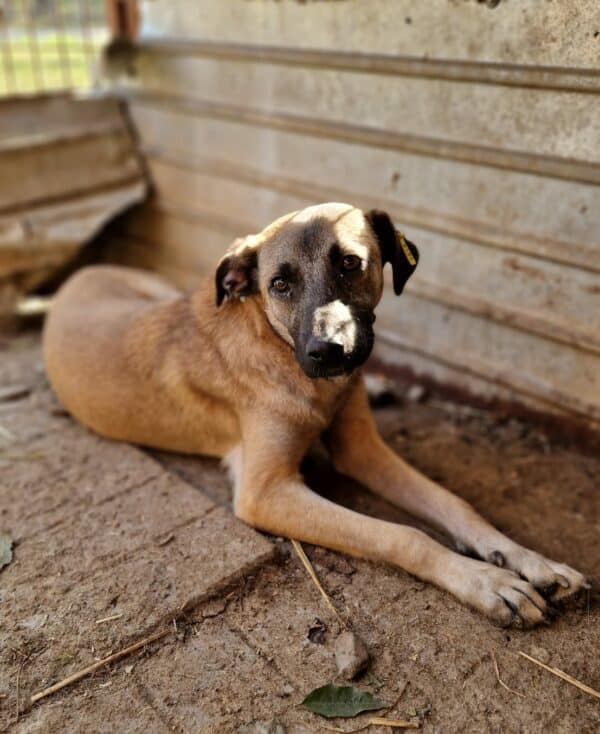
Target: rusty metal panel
(476, 128)
(466, 201)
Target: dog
(256, 366)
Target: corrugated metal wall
(478, 129)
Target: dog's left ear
(395, 248)
(237, 275)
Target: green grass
(65, 62)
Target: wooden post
(123, 19)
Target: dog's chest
(310, 404)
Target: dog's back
(97, 367)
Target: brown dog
(262, 371)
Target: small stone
(316, 632)
(266, 727)
(416, 393)
(540, 653)
(6, 545)
(287, 689)
(351, 655)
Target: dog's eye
(280, 285)
(351, 262)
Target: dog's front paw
(554, 580)
(503, 596)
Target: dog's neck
(240, 330)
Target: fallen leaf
(6, 544)
(345, 701)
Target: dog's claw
(549, 590)
(497, 558)
(517, 620)
(589, 584)
(505, 598)
(553, 580)
(462, 548)
(552, 612)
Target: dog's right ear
(237, 275)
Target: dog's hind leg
(271, 495)
(358, 451)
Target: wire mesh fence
(50, 45)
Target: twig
(311, 572)
(101, 663)
(33, 306)
(499, 679)
(109, 619)
(393, 723)
(18, 690)
(375, 721)
(398, 697)
(561, 674)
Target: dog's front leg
(358, 451)
(269, 494)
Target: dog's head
(319, 272)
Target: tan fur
(174, 373)
(135, 360)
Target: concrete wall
(478, 129)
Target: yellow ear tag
(405, 248)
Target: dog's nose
(324, 352)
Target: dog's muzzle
(338, 342)
(325, 355)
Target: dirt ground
(113, 543)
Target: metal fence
(50, 45)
